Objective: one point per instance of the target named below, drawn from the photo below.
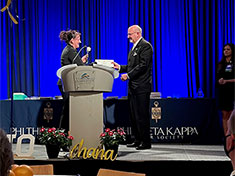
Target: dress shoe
(143, 146)
(134, 144)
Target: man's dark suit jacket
(139, 68)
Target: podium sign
(84, 79)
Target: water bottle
(200, 93)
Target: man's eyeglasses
(131, 33)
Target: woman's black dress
(226, 91)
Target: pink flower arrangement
(112, 137)
(54, 136)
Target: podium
(86, 85)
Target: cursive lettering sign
(78, 150)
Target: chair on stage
(109, 172)
(47, 169)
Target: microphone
(88, 49)
(78, 53)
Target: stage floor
(158, 152)
(161, 160)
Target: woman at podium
(69, 55)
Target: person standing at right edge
(226, 82)
(230, 141)
(138, 72)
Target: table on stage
(182, 120)
(29, 114)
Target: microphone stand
(78, 53)
(89, 59)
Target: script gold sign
(94, 153)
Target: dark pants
(64, 118)
(140, 116)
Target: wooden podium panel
(86, 117)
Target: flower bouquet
(112, 137)
(54, 136)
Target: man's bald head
(134, 33)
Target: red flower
(70, 137)
(42, 130)
(50, 130)
(62, 134)
(122, 133)
(107, 130)
(102, 135)
(110, 133)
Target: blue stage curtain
(187, 37)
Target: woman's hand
(84, 58)
(222, 81)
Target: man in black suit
(139, 73)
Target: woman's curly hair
(6, 154)
(68, 35)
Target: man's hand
(229, 142)
(222, 81)
(116, 65)
(124, 77)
